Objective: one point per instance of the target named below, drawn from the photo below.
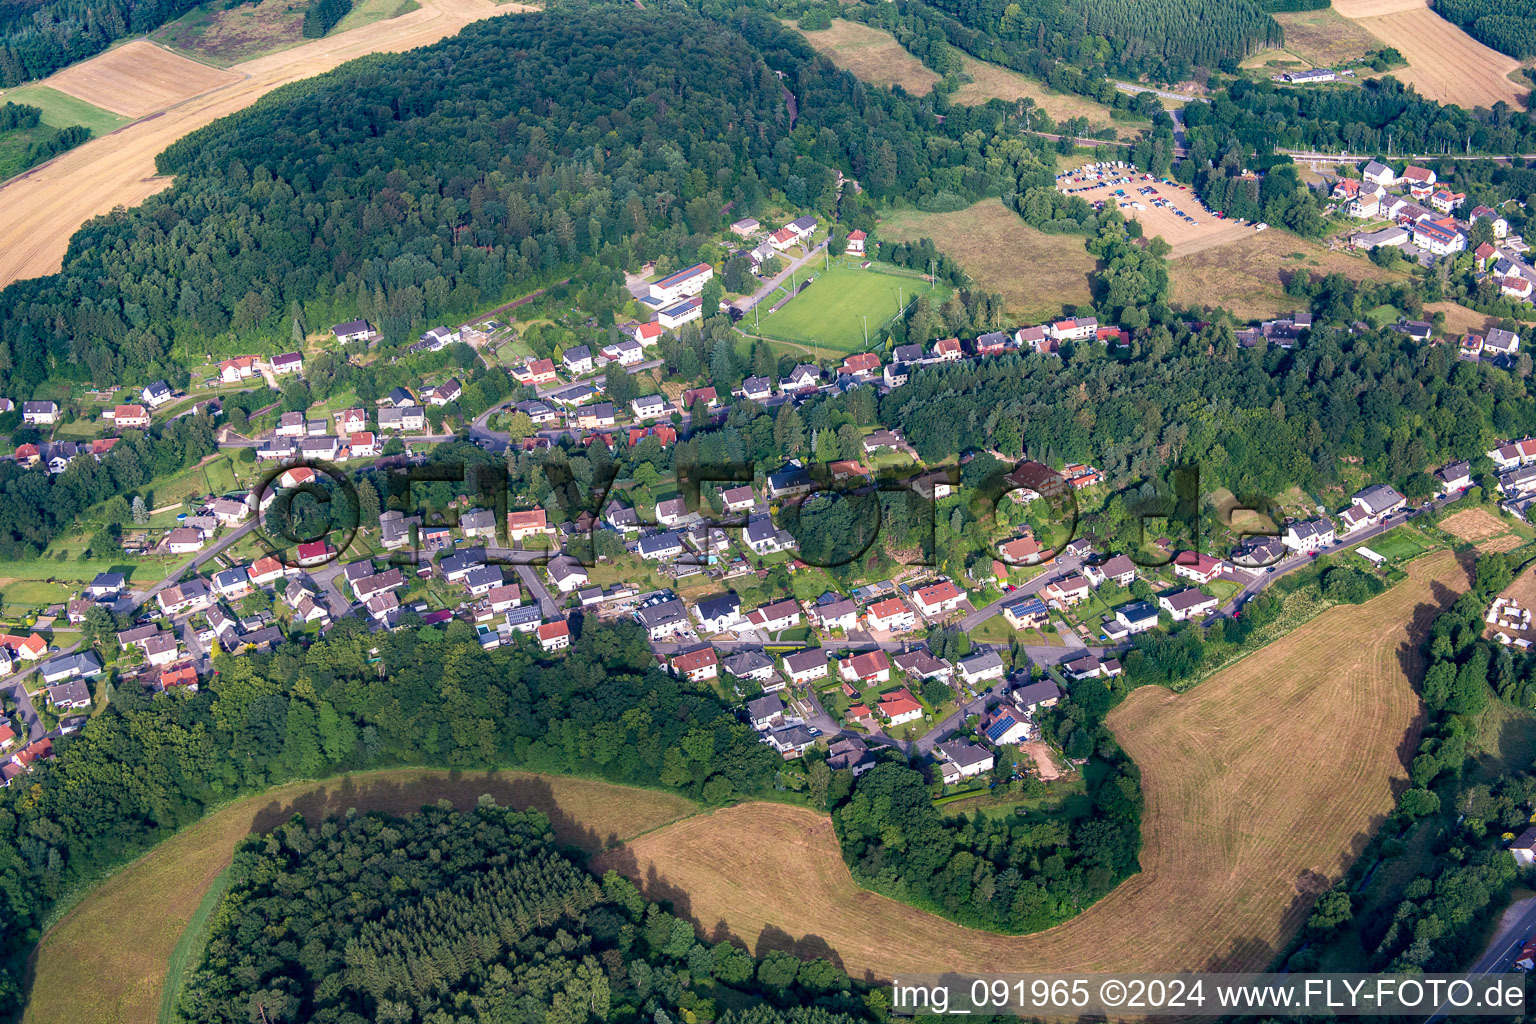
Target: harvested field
(993, 244)
(1318, 39)
(1235, 851)
(1482, 528)
(989, 82)
(106, 960)
(1444, 63)
(138, 78)
(1248, 276)
(1459, 319)
(872, 56)
(1522, 591)
(41, 210)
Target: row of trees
(1506, 25)
(473, 917)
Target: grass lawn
(366, 12)
(993, 631)
(1401, 544)
(60, 110)
(831, 313)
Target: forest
(37, 39)
(147, 766)
(322, 15)
(474, 917)
(1508, 26)
(409, 189)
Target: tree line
(1508, 26)
(38, 39)
(475, 917)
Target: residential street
(140, 598)
(15, 685)
(748, 302)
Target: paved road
(939, 733)
(535, 586)
(16, 686)
(1060, 567)
(1133, 89)
(1501, 951)
(194, 562)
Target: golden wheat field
(1249, 816)
(138, 78)
(1444, 63)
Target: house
(315, 553)
(157, 394)
(130, 417)
(1446, 201)
(849, 753)
(288, 362)
(782, 239)
(435, 340)
(938, 599)
(856, 240)
(1501, 342)
(680, 313)
(802, 378)
(233, 371)
(1308, 535)
(232, 584)
(1379, 500)
(900, 707)
(1417, 177)
(1026, 613)
(1118, 569)
(739, 499)
(696, 665)
(773, 618)
(523, 524)
(1193, 565)
(596, 417)
(457, 566)
(659, 546)
(352, 330)
(803, 227)
(1514, 453)
(649, 407)
(1133, 618)
(1188, 603)
(1523, 849)
(789, 481)
(756, 666)
(554, 636)
(1042, 694)
(766, 538)
(81, 665)
(383, 607)
(37, 414)
(626, 353)
(184, 540)
(756, 389)
(1499, 224)
(841, 613)
(705, 395)
(1457, 476)
(1066, 591)
(567, 574)
(862, 365)
(1005, 727)
(686, 282)
(947, 350)
(1365, 206)
(919, 663)
(791, 740)
(1379, 174)
(536, 373)
(1077, 328)
(1020, 551)
(718, 613)
(763, 712)
(481, 580)
(577, 360)
(1392, 235)
(991, 344)
(745, 227)
(369, 587)
(1090, 667)
(1515, 287)
(979, 667)
(866, 667)
(1439, 237)
(68, 695)
(160, 649)
(962, 759)
(891, 615)
(806, 666)
(667, 617)
(449, 390)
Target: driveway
(747, 302)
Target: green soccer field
(828, 314)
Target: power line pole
(865, 318)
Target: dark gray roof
(765, 707)
(1037, 692)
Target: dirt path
(42, 209)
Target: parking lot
(1165, 208)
